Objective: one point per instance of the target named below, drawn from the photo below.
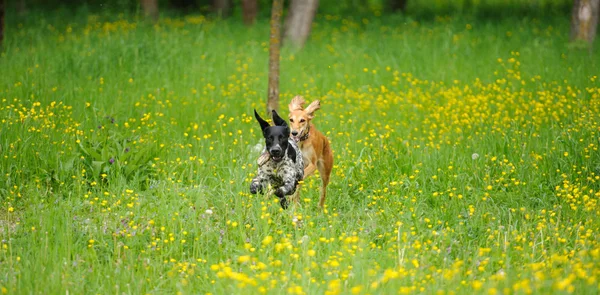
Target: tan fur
(316, 149)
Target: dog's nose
(276, 151)
(294, 133)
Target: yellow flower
(244, 259)
(356, 290)
(477, 284)
(267, 240)
(415, 263)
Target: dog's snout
(275, 151)
(294, 133)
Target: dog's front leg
(309, 169)
(258, 184)
(280, 192)
(288, 187)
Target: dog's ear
(263, 124)
(297, 103)
(278, 120)
(312, 108)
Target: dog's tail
(297, 103)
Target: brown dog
(315, 147)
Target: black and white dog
(281, 167)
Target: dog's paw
(284, 203)
(254, 188)
(280, 192)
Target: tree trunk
(1, 21)
(249, 9)
(299, 21)
(584, 20)
(274, 46)
(222, 7)
(150, 8)
(395, 5)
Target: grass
(466, 158)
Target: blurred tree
(150, 8)
(249, 10)
(274, 46)
(222, 7)
(395, 5)
(584, 20)
(299, 21)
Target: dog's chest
(276, 172)
(288, 168)
(308, 152)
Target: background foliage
(466, 150)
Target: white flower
(305, 239)
(475, 156)
(208, 211)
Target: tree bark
(222, 7)
(299, 21)
(150, 8)
(584, 20)
(249, 10)
(274, 46)
(2, 7)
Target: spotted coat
(282, 176)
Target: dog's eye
(302, 120)
(292, 120)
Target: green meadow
(465, 146)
